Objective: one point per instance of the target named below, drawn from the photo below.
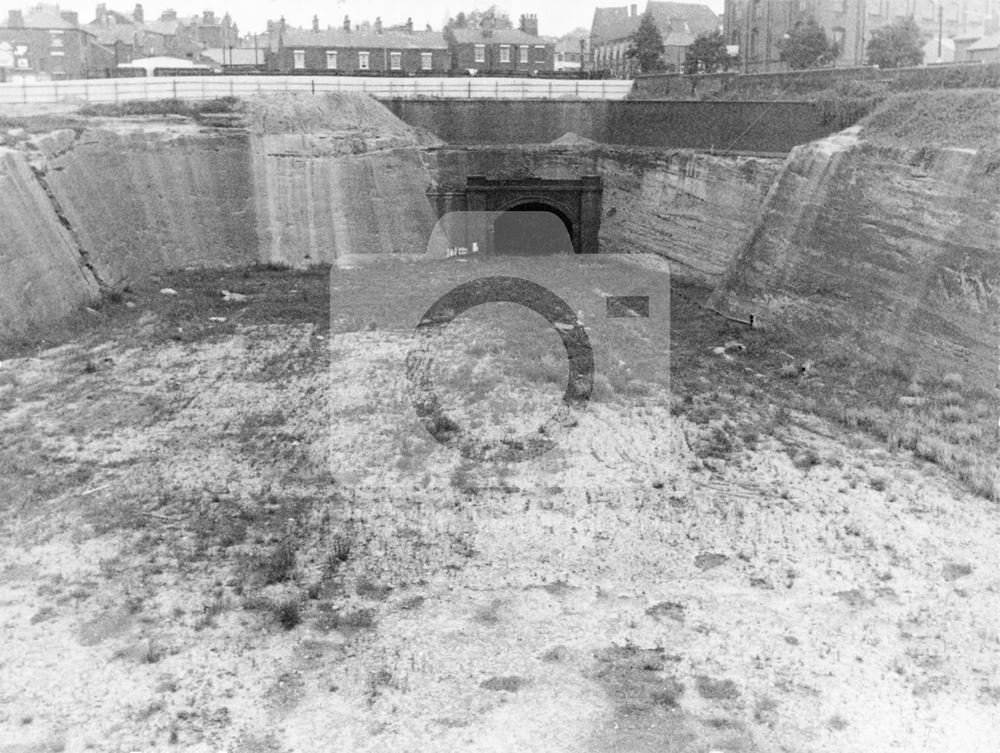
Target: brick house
(679, 24)
(361, 50)
(127, 35)
(489, 50)
(46, 43)
(757, 26)
(187, 37)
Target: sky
(555, 17)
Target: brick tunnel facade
(489, 202)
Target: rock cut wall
(694, 209)
(896, 251)
(316, 205)
(144, 198)
(43, 275)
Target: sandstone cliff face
(895, 251)
(42, 273)
(318, 202)
(697, 210)
(144, 199)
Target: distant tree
(646, 45)
(477, 19)
(807, 46)
(708, 54)
(896, 45)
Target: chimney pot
(138, 15)
(347, 24)
(316, 24)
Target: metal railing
(101, 91)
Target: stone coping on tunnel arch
(576, 202)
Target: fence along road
(95, 91)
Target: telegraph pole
(940, 29)
(746, 40)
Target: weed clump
(288, 613)
(279, 564)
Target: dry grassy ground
(233, 535)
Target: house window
(56, 38)
(331, 59)
(426, 61)
(505, 53)
(524, 53)
(480, 53)
(57, 53)
(838, 39)
(363, 61)
(396, 60)
(299, 59)
(540, 52)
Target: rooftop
(400, 40)
(499, 36)
(616, 23)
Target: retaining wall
(42, 274)
(771, 127)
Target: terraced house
(360, 50)
(679, 24)
(491, 50)
(46, 43)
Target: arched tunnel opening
(532, 229)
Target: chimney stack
(15, 19)
(70, 17)
(529, 24)
(347, 24)
(315, 24)
(208, 18)
(138, 15)
(168, 15)
(409, 24)
(635, 11)
(378, 24)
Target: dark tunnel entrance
(532, 229)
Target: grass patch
(278, 565)
(928, 119)
(275, 296)
(953, 425)
(187, 108)
(847, 102)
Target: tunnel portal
(526, 216)
(532, 228)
